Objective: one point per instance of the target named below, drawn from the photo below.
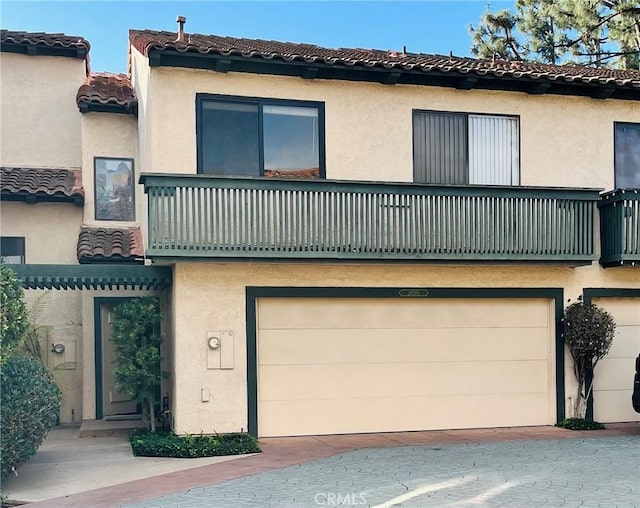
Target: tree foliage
(14, 318)
(588, 333)
(137, 340)
(587, 32)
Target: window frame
(23, 247)
(466, 115)
(260, 102)
(615, 165)
(95, 187)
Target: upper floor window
(260, 137)
(12, 249)
(627, 155)
(461, 148)
(114, 189)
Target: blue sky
(422, 26)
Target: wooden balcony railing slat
(341, 220)
(620, 227)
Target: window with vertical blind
(463, 148)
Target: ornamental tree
(588, 333)
(137, 340)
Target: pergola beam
(107, 276)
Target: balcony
(620, 227)
(198, 216)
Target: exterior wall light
(57, 348)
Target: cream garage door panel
(294, 313)
(401, 345)
(345, 416)
(446, 378)
(613, 382)
(374, 365)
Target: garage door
(613, 381)
(330, 366)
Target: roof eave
(390, 76)
(108, 107)
(43, 50)
(40, 197)
(115, 258)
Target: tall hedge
(29, 405)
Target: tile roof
(147, 40)
(34, 183)
(96, 244)
(104, 91)
(42, 39)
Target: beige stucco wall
(109, 135)
(50, 230)
(565, 141)
(51, 234)
(211, 296)
(40, 124)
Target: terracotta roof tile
(44, 39)
(38, 182)
(107, 89)
(147, 40)
(96, 244)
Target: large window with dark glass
(260, 137)
(627, 155)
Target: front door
(114, 402)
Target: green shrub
(137, 340)
(13, 313)
(29, 405)
(580, 424)
(161, 444)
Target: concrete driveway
(517, 467)
(567, 473)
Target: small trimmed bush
(29, 406)
(580, 424)
(162, 444)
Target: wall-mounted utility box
(219, 344)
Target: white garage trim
(539, 368)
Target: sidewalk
(151, 480)
(67, 464)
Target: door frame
(253, 293)
(98, 301)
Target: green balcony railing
(208, 216)
(620, 227)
